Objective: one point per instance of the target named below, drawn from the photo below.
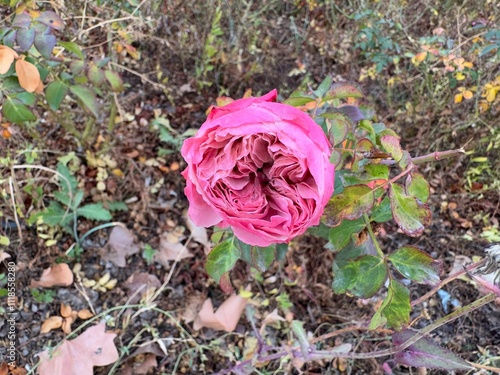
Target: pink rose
(260, 167)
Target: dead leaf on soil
(139, 284)
(169, 249)
(57, 275)
(92, 348)
(193, 307)
(225, 318)
(198, 234)
(121, 244)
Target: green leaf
(417, 186)
(426, 353)
(353, 202)
(376, 172)
(55, 214)
(281, 250)
(395, 310)
(114, 80)
(45, 43)
(362, 277)
(4, 241)
(94, 211)
(340, 236)
(68, 182)
(116, 206)
(26, 98)
(258, 257)
(323, 87)
(345, 256)
(222, 259)
(382, 212)
(409, 214)
(15, 111)
(55, 93)
(416, 265)
(339, 126)
(87, 97)
(96, 75)
(392, 146)
(298, 101)
(25, 38)
(72, 47)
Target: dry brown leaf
(39, 88)
(139, 283)
(85, 314)
(57, 275)
(65, 310)
(271, 319)
(225, 318)
(121, 244)
(28, 75)
(7, 56)
(146, 365)
(169, 250)
(52, 322)
(66, 325)
(198, 234)
(193, 307)
(94, 347)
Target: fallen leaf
(198, 234)
(57, 275)
(85, 314)
(121, 244)
(193, 307)
(225, 318)
(169, 250)
(92, 348)
(139, 283)
(28, 75)
(52, 322)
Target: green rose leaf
(86, 97)
(222, 259)
(339, 126)
(45, 43)
(353, 202)
(324, 86)
(94, 211)
(416, 265)
(258, 257)
(25, 38)
(417, 186)
(114, 80)
(72, 47)
(376, 172)
(96, 75)
(343, 91)
(15, 111)
(340, 235)
(426, 353)
(55, 93)
(395, 310)
(299, 101)
(362, 277)
(392, 146)
(410, 215)
(382, 213)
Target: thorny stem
(330, 354)
(433, 156)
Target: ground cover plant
(110, 263)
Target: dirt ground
(305, 274)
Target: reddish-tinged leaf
(114, 80)
(395, 310)
(425, 353)
(28, 75)
(410, 215)
(351, 204)
(52, 20)
(343, 91)
(339, 126)
(57, 275)
(94, 347)
(417, 186)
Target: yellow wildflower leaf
(458, 98)
(460, 76)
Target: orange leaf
(225, 318)
(94, 347)
(65, 310)
(53, 322)
(28, 75)
(57, 275)
(458, 98)
(85, 314)
(468, 94)
(7, 56)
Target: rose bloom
(260, 167)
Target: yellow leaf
(468, 94)
(491, 95)
(28, 75)
(468, 64)
(419, 57)
(7, 56)
(458, 98)
(483, 106)
(460, 76)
